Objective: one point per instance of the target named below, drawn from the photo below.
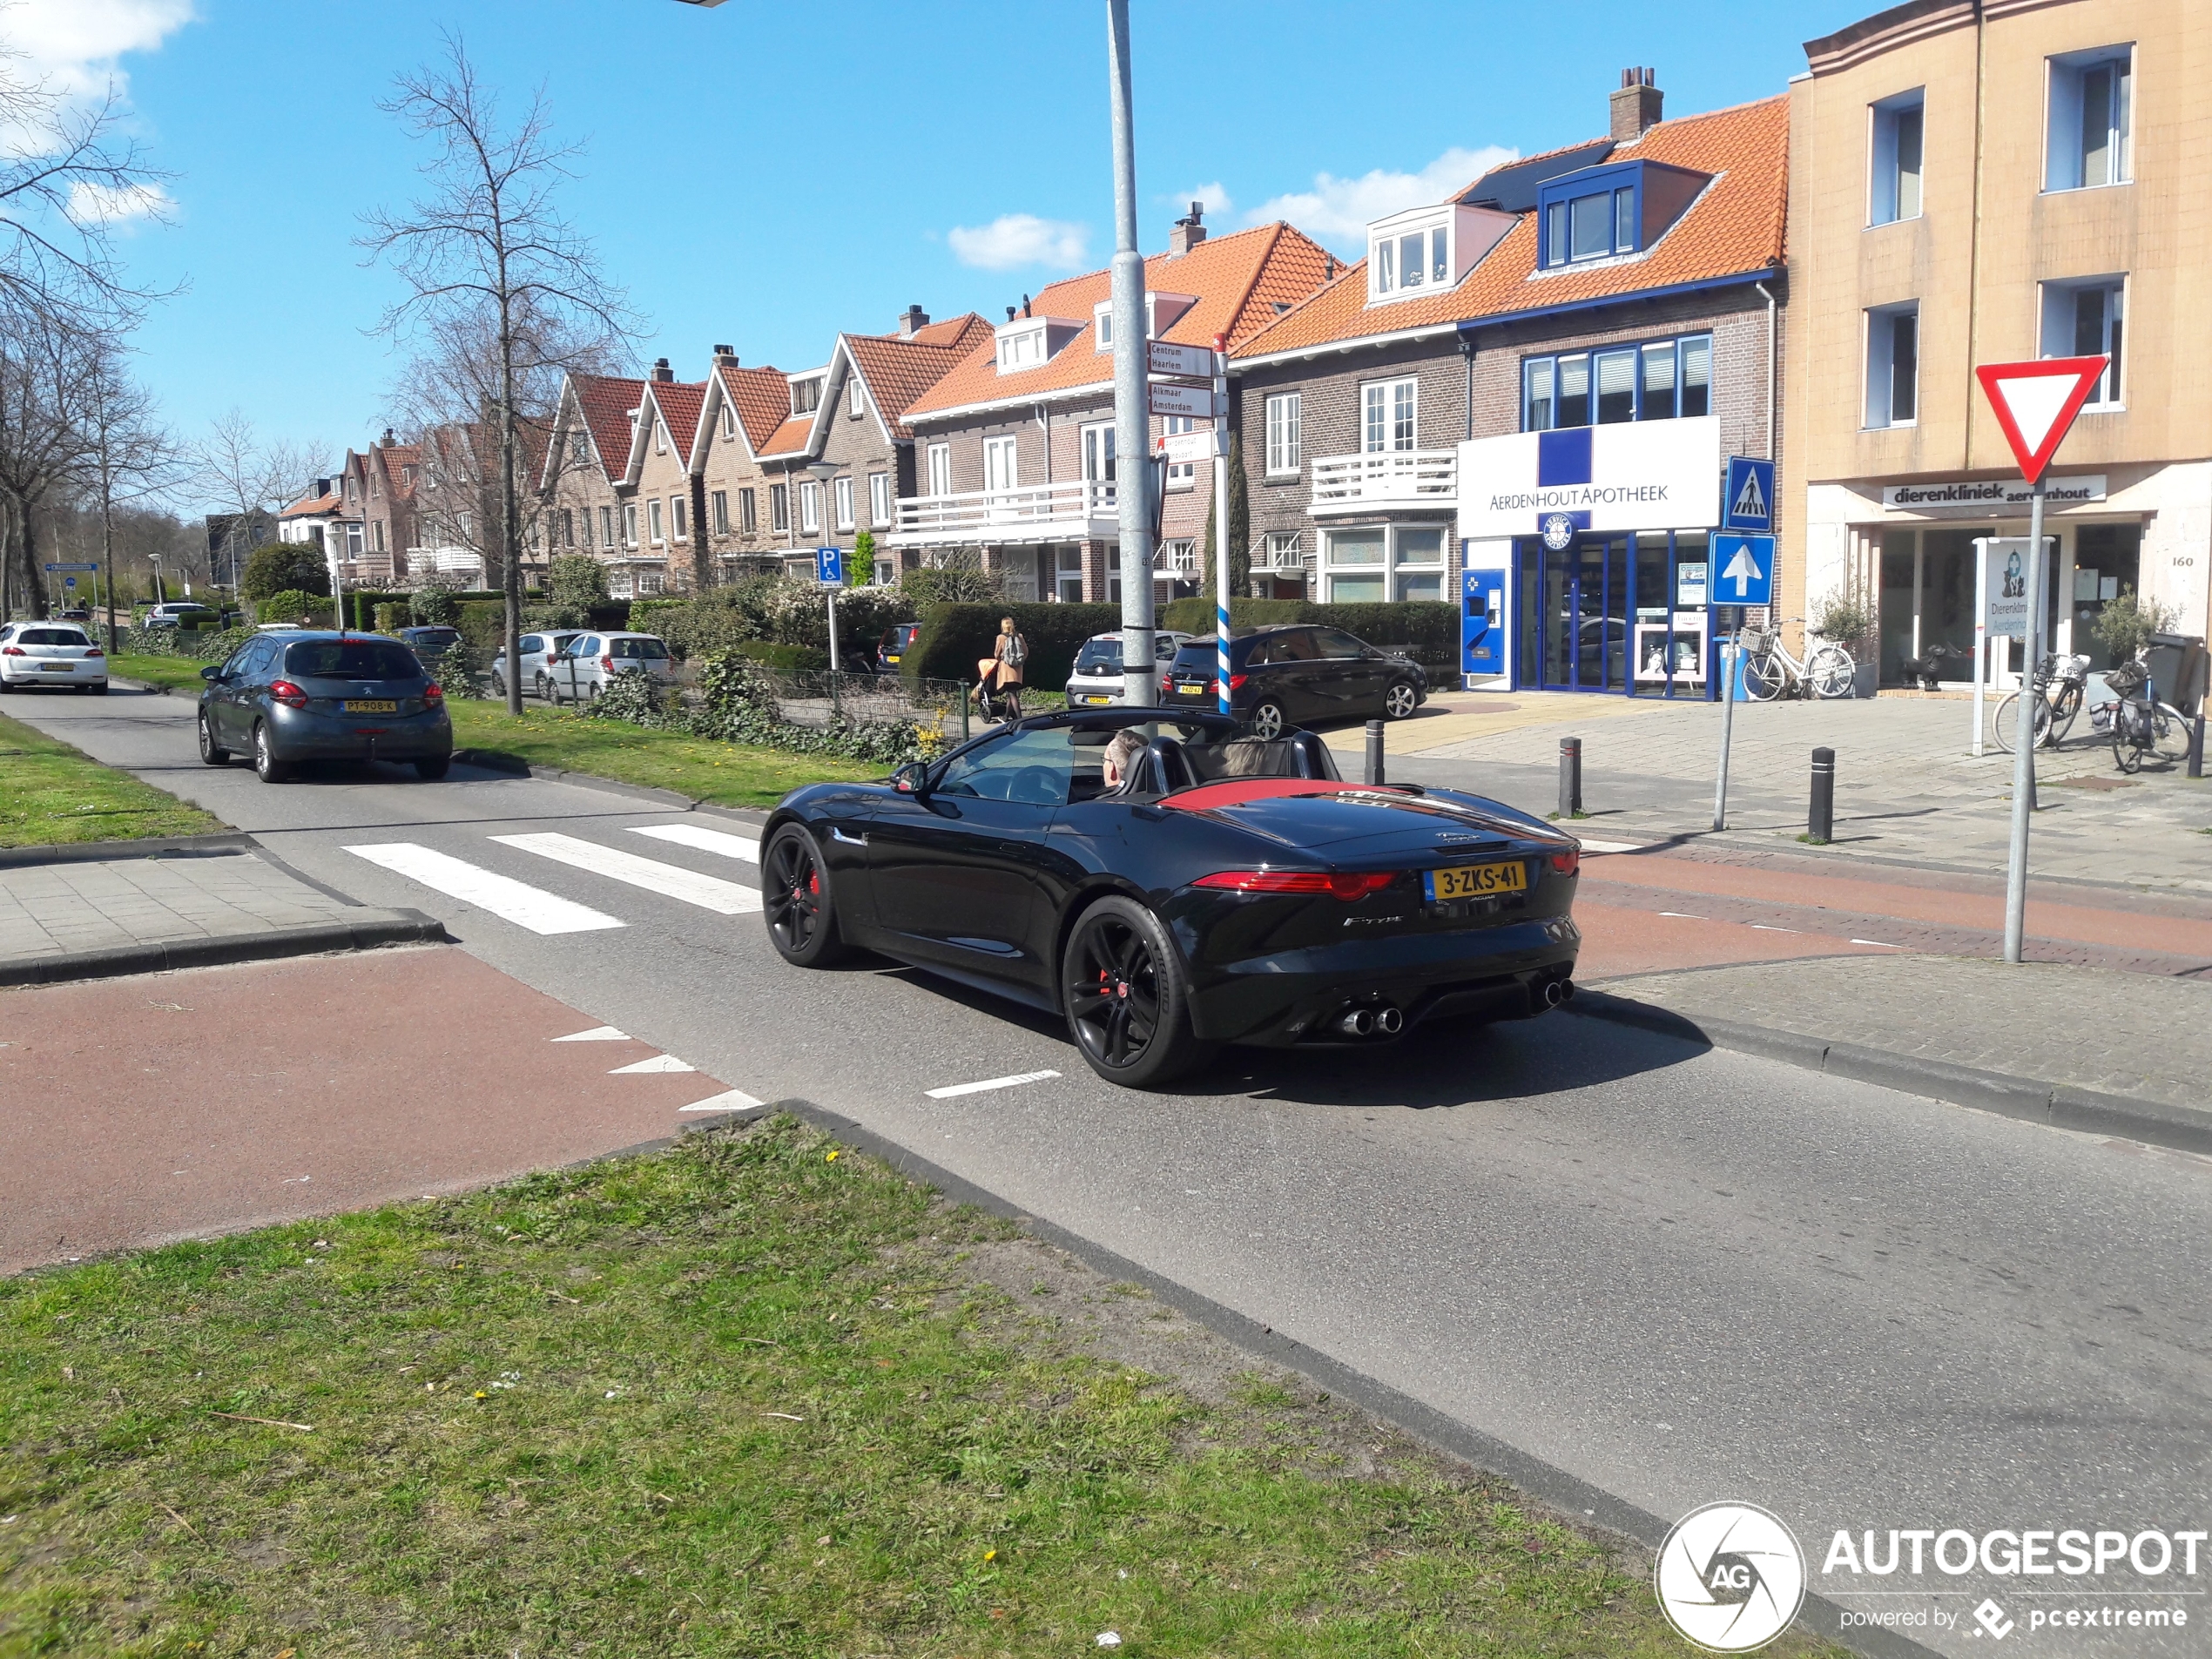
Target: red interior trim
(1231, 792)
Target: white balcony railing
(1393, 478)
(1078, 510)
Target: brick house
(587, 500)
(458, 512)
(378, 488)
(1631, 282)
(741, 412)
(660, 487)
(1015, 444)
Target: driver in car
(1121, 755)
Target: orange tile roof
(606, 402)
(1236, 278)
(679, 402)
(1735, 228)
(396, 458)
(898, 371)
(310, 506)
(762, 398)
(960, 333)
(789, 440)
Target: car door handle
(837, 834)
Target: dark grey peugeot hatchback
(291, 696)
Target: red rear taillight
(1349, 887)
(1236, 682)
(607, 663)
(1567, 863)
(286, 693)
(434, 693)
(14, 650)
(94, 651)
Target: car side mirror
(213, 672)
(913, 778)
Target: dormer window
(1029, 343)
(1426, 248)
(1611, 213)
(1161, 312)
(1414, 259)
(1022, 350)
(806, 395)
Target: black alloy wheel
(1127, 1006)
(267, 766)
(1401, 700)
(796, 896)
(430, 768)
(1267, 721)
(211, 753)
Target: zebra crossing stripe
(670, 882)
(510, 900)
(703, 840)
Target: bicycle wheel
(2171, 733)
(2006, 721)
(1831, 672)
(2124, 754)
(2066, 705)
(1763, 678)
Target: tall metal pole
(1728, 722)
(1132, 415)
(2024, 734)
(1221, 520)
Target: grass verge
(178, 673)
(728, 774)
(55, 794)
(752, 1396)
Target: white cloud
(1013, 239)
(75, 44)
(97, 204)
(1337, 211)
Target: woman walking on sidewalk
(1001, 672)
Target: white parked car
(580, 672)
(538, 650)
(180, 613)
(59, 654)
(1096, 681)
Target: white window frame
(1285, 411)
(842, 497)
(880, 497)
(1003, 463)
(606, 527)
(748, 510)
(729, 419)
(2060, 337)
(1383, 406)
(1878, 408)
(717, 504)
(680, 517)
(779, 507)
(653, 522)
(810, 506)
(1094, 445)
(2065, 159)
(809, 388)
(856, 401)
(660, 436)
(941, 468)
(1180, 557)
(1888, 201)
(630, 524)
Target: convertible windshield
(351, 659)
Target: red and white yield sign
(2037, 401)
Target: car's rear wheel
(800, 905)
(210, 752)
(1122, 990)
(1401, 700)
(1267, 721)
(430, 768)
(544, 689)
(99, 691)
(267, 766)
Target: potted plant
(1842, 620)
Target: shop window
(2083, 320)
(1897, 139)
(2089, 140)
(1658, 381)
(1892, 365)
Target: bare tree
(47, 370)
(252, 479)
(487, 242)
(131, 456)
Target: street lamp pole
(1132, 422)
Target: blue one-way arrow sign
(1744, 567)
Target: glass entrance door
(1585, 615)
(1601, 615)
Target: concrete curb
(372, 932)
(2060, 1106)
(227, 843)
(1581, 1503)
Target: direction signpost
(1742, 574)
(1193, 402)
(2035, 403)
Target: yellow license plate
(1474, 881)
(1098, 702)
(58, 668)
(373, 705)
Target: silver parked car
(59, 654)
(1097, 679)
(580, 672)
(538, 650)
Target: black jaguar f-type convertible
(1229, 889)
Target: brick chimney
(724, 357)
(912, 322)
(662, 371)
(1635, 105)
(387, 437)
(1187, 232)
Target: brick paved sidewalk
(2132, 1037)
(131, 914)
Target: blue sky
(767, 174)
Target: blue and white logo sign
(1748, 500)
(1744, 569)
(1627, 476)
(1559, 531)
(829, 566)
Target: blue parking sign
(829, 566)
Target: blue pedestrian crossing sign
(1748, 499)
(829, 566)
(1743, 570)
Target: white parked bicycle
(1770, 671)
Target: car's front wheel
(1122, 990)
(211, 752)
(1401, 700)
(267, 766)
(1267, 721)
(799, 901)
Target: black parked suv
(284, 697)
(1297, 674)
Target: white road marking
(658, 1063)
(730, 1100)
(1681, 915)
(708, 892)
(1884, 943)
(503, 896)
(596, 1033)
(950, 1089)
(1764, 928)
(705, 841)
(1613, 846)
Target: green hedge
(1196, 616)
(783, 660)
(644, 613)
(955, 637)
(484, 624)
(1426, 629)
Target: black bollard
(1820, 822)
(2196, 743)
(1570, 777)
(1374, 751)
(967, 696)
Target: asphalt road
(1681, 1276)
